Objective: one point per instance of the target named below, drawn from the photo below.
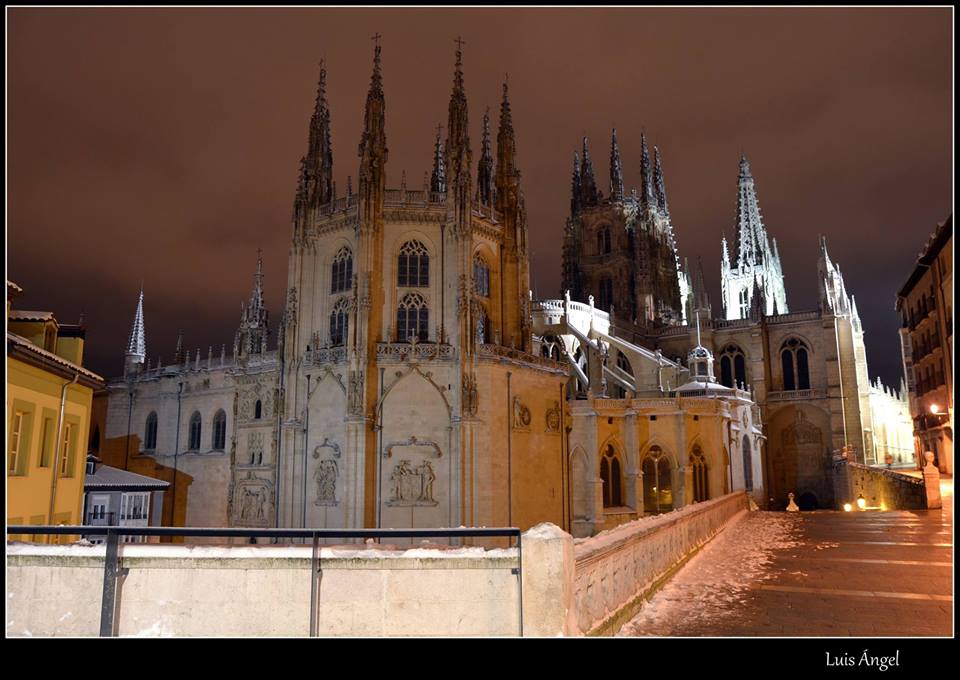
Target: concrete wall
(615, 568)
(174, 590)
(886, 489)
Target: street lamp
(934, 409)
(861, 502)
(847, 507)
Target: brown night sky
(163, 145)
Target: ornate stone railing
(797, 395)
(325, 355)
(521, 356)
(338, 205)
(732, 323)
(413, 197)
(794, 316)
(399, 351)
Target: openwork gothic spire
(588, 181)
(458, 137)
(576, 186)
(254, 330)
(660, 188)
(137, 344)
(373, 143)
(507, 174)
(485, 170)
(438, 179)
(646, 175)
(318, 162)
(616, 169)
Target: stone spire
(318, 163)
(648, 199)
(588, 182)
(178, 356)
(752, 245)
(701, 301)
(458, 139)
(576, 186)
(616, 169)
(486, 184)
(438, 179)
(660, 188)
(254, 330)
(137, 343)
(373, 143)
(507, 174)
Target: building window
(47, 435)
(481, 321)
(413, 265)
(150, 436)
(258, 410)
(657, 481)
(606, 294)
(698, 467)
(339, 321)
(17, 443)
(219, 430)
(795, 365)
(342, 277)
(744, 303)
(747, 465)
(612, 478)
(66, 451)
(603, 241)
(733, 367)
(412, 318)
(195, 431)
(481, 277)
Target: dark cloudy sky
(162, 145)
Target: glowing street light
(861, 502)
(934, 409)
(847, 507)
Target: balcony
(797, 395)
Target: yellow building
(49, 397)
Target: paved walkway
(871, 574)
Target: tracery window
(342, 277)
(339, 323)
(698, 466)
(481, 277)
(413, 265)
(195, 431)
(413, 317)
(657, 481)
(744, 303)
(606, 294)
(219, 430)
(610, 473)
(603, 241)
(794, 362)
(733, 367)
(150, 433)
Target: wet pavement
(870, 574)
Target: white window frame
(16, 441)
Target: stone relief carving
(326, 478)
(469, 397)
(413, 441)
(412, 486)
(327, 444)
(553, 418)
(801, 432)
(252, 502)
(521, 415)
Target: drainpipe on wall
(58, 445)
(306, 436)
(509, 455)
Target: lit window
(413, 265)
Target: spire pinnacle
(660, 188)
(588, 181)
(616, 169)
(648, 199)
(507, 173)
(137, 343)
(576, 186)
(458, 157)
(438, 179)
(485, 168)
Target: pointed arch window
(794, 361)
(339, 323)
(733, 367)
(657, 481)
(413, 317)
(698, 466)
(481, 277)
(258, 410)
(606, 294)
(195, 431)
(481, 324)
(603, 240)
(219, 431)
(610, 473)
(413, 265)
(744, 303)
(342, 278)
(150, 432)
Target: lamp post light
(861, 502)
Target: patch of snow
(68, 614)
(715, 583)
(156, 630)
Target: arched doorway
(657, 481)
(807, 501)
(698, 469)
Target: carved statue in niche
(469, 395)
(521, 415)
(326, 478)
(356, 392)
(252, 503)
(412, 486)
(553, 417)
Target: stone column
(547, 576)
(584, 435)
(634, 475)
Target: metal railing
(111, 564)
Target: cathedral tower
(756, 260)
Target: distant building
(49, 395)
(118, 498)
(925, 303)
